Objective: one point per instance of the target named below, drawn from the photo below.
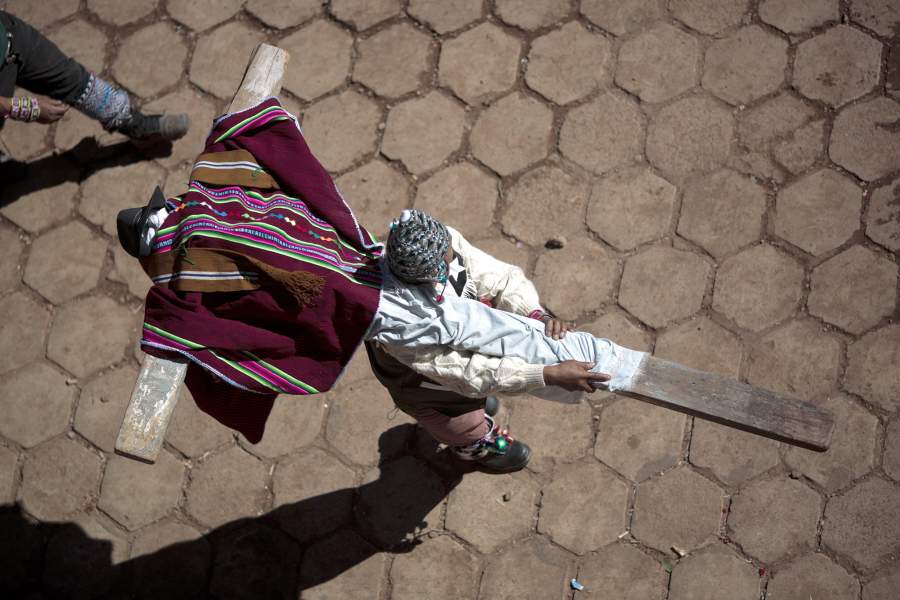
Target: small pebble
(507, 496)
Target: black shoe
(497, 452)
(131, 224)
(491, 405)
(515, 458)
(161, 127)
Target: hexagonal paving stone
(41, 14)
(360, 424)
(82, 41)
(478, 512)
(59, 477)
(722, 212)
(854, 290)
(377, 194)
(37, 210)
(226, 487)
(746, 65)
(107, 192)
(881, 16)
(216, 53)
(148, 78)
(861, 141)
(604, 133)
(22, 331)
(254, 560)
(715, 572)
(394, 61)
(584, 507)
(864, 523)
(532, 570)
(400, 500)
(192, 431)
(511, 253)
(362, 14)
(162, 573)
(659, 63)
(444, 17)
(343, 565)
(852, 450)
(341, 129)
(688, 524)
(313, 494)
(531, 218)
(803, 148)
(73, 342)
(439, 568)
(772, 119)
(102, 404)
(624, 572)
(121, 13)
(701, 344)
(128, 271)
(10, 247)
(8, 460)
(531, 14)
(638, 439)
(837, 66)
(567, 63)
(883, 586)
(815, 576)
(613, 324)
(461, 195)
(798, 358)
(662, 284)
(203, 14)
(883, 216)
(758, 287)
(65, 262)
(480, 62)
(135, 494)
(36, 403)
(423, 132)
(892, 450)
(538, 423)
(284, 14)
(771, 519)
(732, 455)
(631, 207)
(512, 134)
(709, 16)
(295, 421)
(580, 260)
(691, 135)
(792, 17)
(326, 49)
(82, 558)
(871, 372)
(619, 17)
(818, 212)
(200, 110)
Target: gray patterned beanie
(416, 247)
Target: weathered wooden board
(156, 390)
(730, 402)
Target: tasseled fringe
(304, 287)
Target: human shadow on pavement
(292, 548)
(20, 178)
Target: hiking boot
(156, 127)
(496, 452)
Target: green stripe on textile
(281, 373)
(261, 113)
(239, 367)
(172, 336)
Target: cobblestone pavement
(715, 180)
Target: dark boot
(161, 127)
(496, 452)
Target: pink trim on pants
(461, 430)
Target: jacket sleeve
(470, 374)
(504, 284)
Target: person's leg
(460, 430)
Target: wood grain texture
(730, 402)
(262, 78)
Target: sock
(103, 101)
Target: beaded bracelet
(24, 109)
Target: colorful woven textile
(225, 262)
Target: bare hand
(573, 375)
(556, 328)
(51, 110)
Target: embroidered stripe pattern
(267, 115)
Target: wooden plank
(156, 390)
(152, 402)
(730, 402)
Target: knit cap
(416, 246)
